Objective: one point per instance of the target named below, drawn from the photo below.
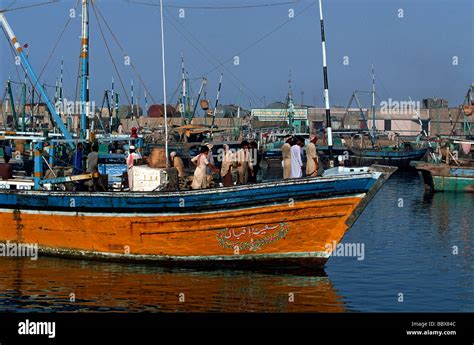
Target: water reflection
(47, 285)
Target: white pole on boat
(183, 89)
(146, 104)
(164, 82)
(326, 86)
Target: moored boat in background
(393, 156)
(447, 178)
(451, 169)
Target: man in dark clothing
(256, 158)
(6, 169)
(77, 161)
(93, 159)
(8, 149)
(92, 167)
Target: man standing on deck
(177, 162)
(200, 180)
(8, 149)
(93, 160)
(255, 159)
(210, 159)
(92, 165)
(286, 158)
(132, 157)
(226, 167)
(77, 160)
(312, 159)
(296, 162)
(244, 163)
(130, 164)
(6, 169)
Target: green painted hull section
(453, 184)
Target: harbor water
(414, 253)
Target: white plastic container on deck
(146, 179)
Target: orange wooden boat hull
(294, 233)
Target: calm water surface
(409, 239)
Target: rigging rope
(208, 56)
(110, 54)
(220, 64)
(57, 43)
(123, 51)
(217, 7)
(29, 6)
(265, 36)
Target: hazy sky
(420, 48)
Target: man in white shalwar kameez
(296, 162)
(200, 180)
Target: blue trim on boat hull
(187, 202)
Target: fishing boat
(280, 223)
(399, 155)
(451, 168)
(285, 223)
(446, 178)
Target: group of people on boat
(244, 163)
(235, 167)
(292, 152)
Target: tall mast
(326, 86)
(112, 91)
(23, 100)
(61, 80)
(132, 98)
(12, 104)
(23, 106)
(183, 89)
(146, 104)
(84, 68)
(164, 82)
(203, 83)
(373, 102)
(217, 103)
(56, 91)
(115, 102)
(290, 106)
